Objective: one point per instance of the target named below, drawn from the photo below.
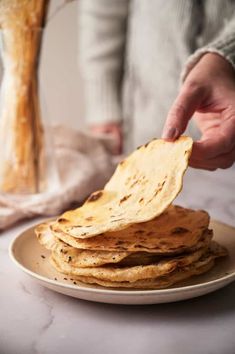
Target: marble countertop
(35, 320)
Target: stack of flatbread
(129, 235)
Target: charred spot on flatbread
(95, 196)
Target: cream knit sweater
(133, 53)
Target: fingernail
(170, 133)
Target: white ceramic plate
(33, 259)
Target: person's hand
(208, 93)
(114, 131)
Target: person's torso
(161, 35)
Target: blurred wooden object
(21, 132)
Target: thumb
(187, 102)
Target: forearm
(223, 45)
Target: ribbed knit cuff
(102, 102)
(222, 47)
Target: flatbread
(74, 256)
(176, 230)
(131, 274)
(159, 283)
(45, 236)
(89, 258)
(162, 280)
(142, 187)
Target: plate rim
(185, 289)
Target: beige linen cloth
(84, 164)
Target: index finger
(182, 110)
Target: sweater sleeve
(223, 44)
(102, 44)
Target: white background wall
(59, 75)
